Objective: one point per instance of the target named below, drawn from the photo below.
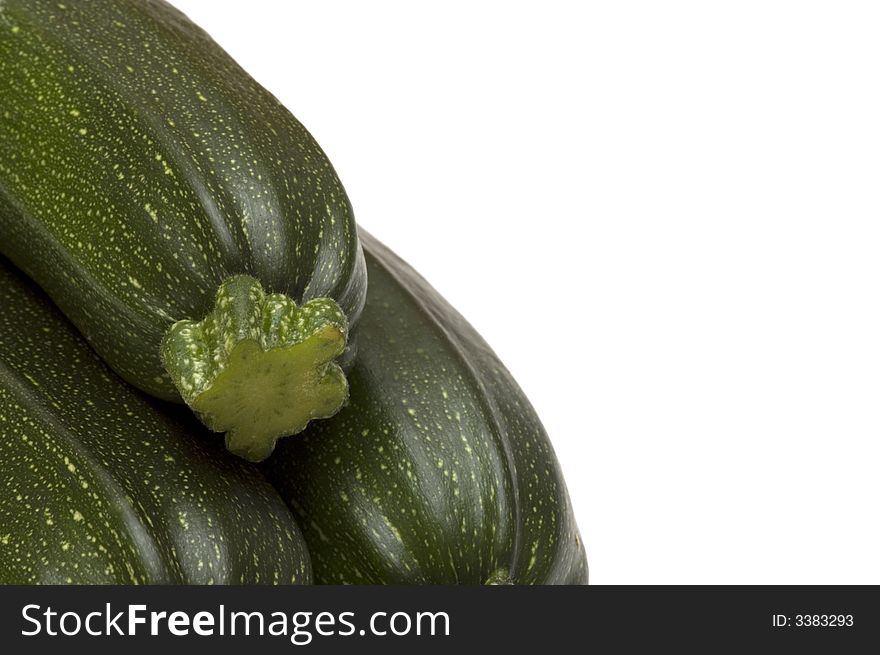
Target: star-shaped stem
(259, 367)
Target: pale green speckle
(468, 493)
(97, 482)
(182, 178)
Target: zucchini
(183, 220)
(438, 471)
(101, 486)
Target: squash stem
(259, 367)
(499, 577)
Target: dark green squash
(101, 485)
(143, 175)
(438, 471)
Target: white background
(665, 218)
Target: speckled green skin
(140, 167)
(438, 471)
(99, 485)
(259, 367)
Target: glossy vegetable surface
(438, 471)
(100, 484)
(141, 170)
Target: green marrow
(101, 486)
(182, 219)
(438, 471)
